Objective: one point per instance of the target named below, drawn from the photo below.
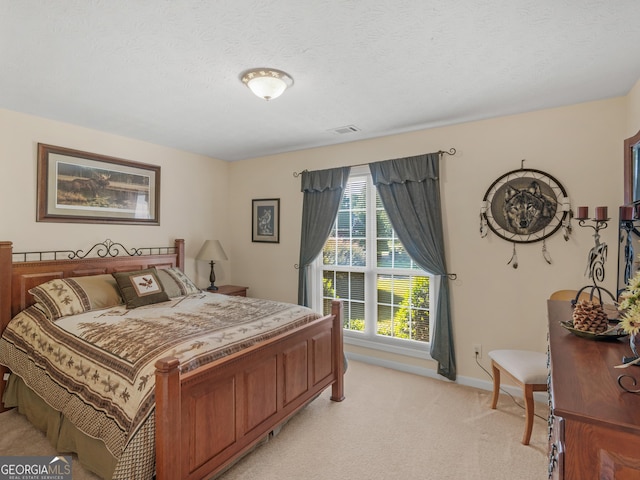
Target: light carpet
(392, 425)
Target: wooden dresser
(594, 425)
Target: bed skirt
(62, 435)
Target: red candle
(583, 213)
(601, 213)
(626, 212)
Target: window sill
(418, 351)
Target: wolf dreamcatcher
(525, 206)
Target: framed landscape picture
(265, 220)
(82, 187)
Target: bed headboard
(21, 271)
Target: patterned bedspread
(98, 367)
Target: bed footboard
(209, 417)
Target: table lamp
(212, 251)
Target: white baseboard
(427, 372)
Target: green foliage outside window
(411, 312)
(412, 318)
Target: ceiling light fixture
(266, 83)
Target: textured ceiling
(168, 71)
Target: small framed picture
(265, 220)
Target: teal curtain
(409, 189)
(323, 190)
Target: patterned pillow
(141, 287)
(69, 296)
(176, 283)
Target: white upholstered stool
(529, 370)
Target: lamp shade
(211, 250)
(267, 83)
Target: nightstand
(233, 290)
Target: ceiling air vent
(346, 129)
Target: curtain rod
(452, 151)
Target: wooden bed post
(6, 260)
(337, 389)
(179, 244)
(6, 249)
(168, 412)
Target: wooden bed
(209, 417)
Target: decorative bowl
(612, 334)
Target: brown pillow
(68, 296)
(141, 287)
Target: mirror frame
(630, 144)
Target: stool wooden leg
(496, 385)
(529, 410)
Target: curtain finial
(452, 151)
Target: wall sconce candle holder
(597, 256)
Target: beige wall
(633, 111)
(492, 303)
(194, 195)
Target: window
(386, 297)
